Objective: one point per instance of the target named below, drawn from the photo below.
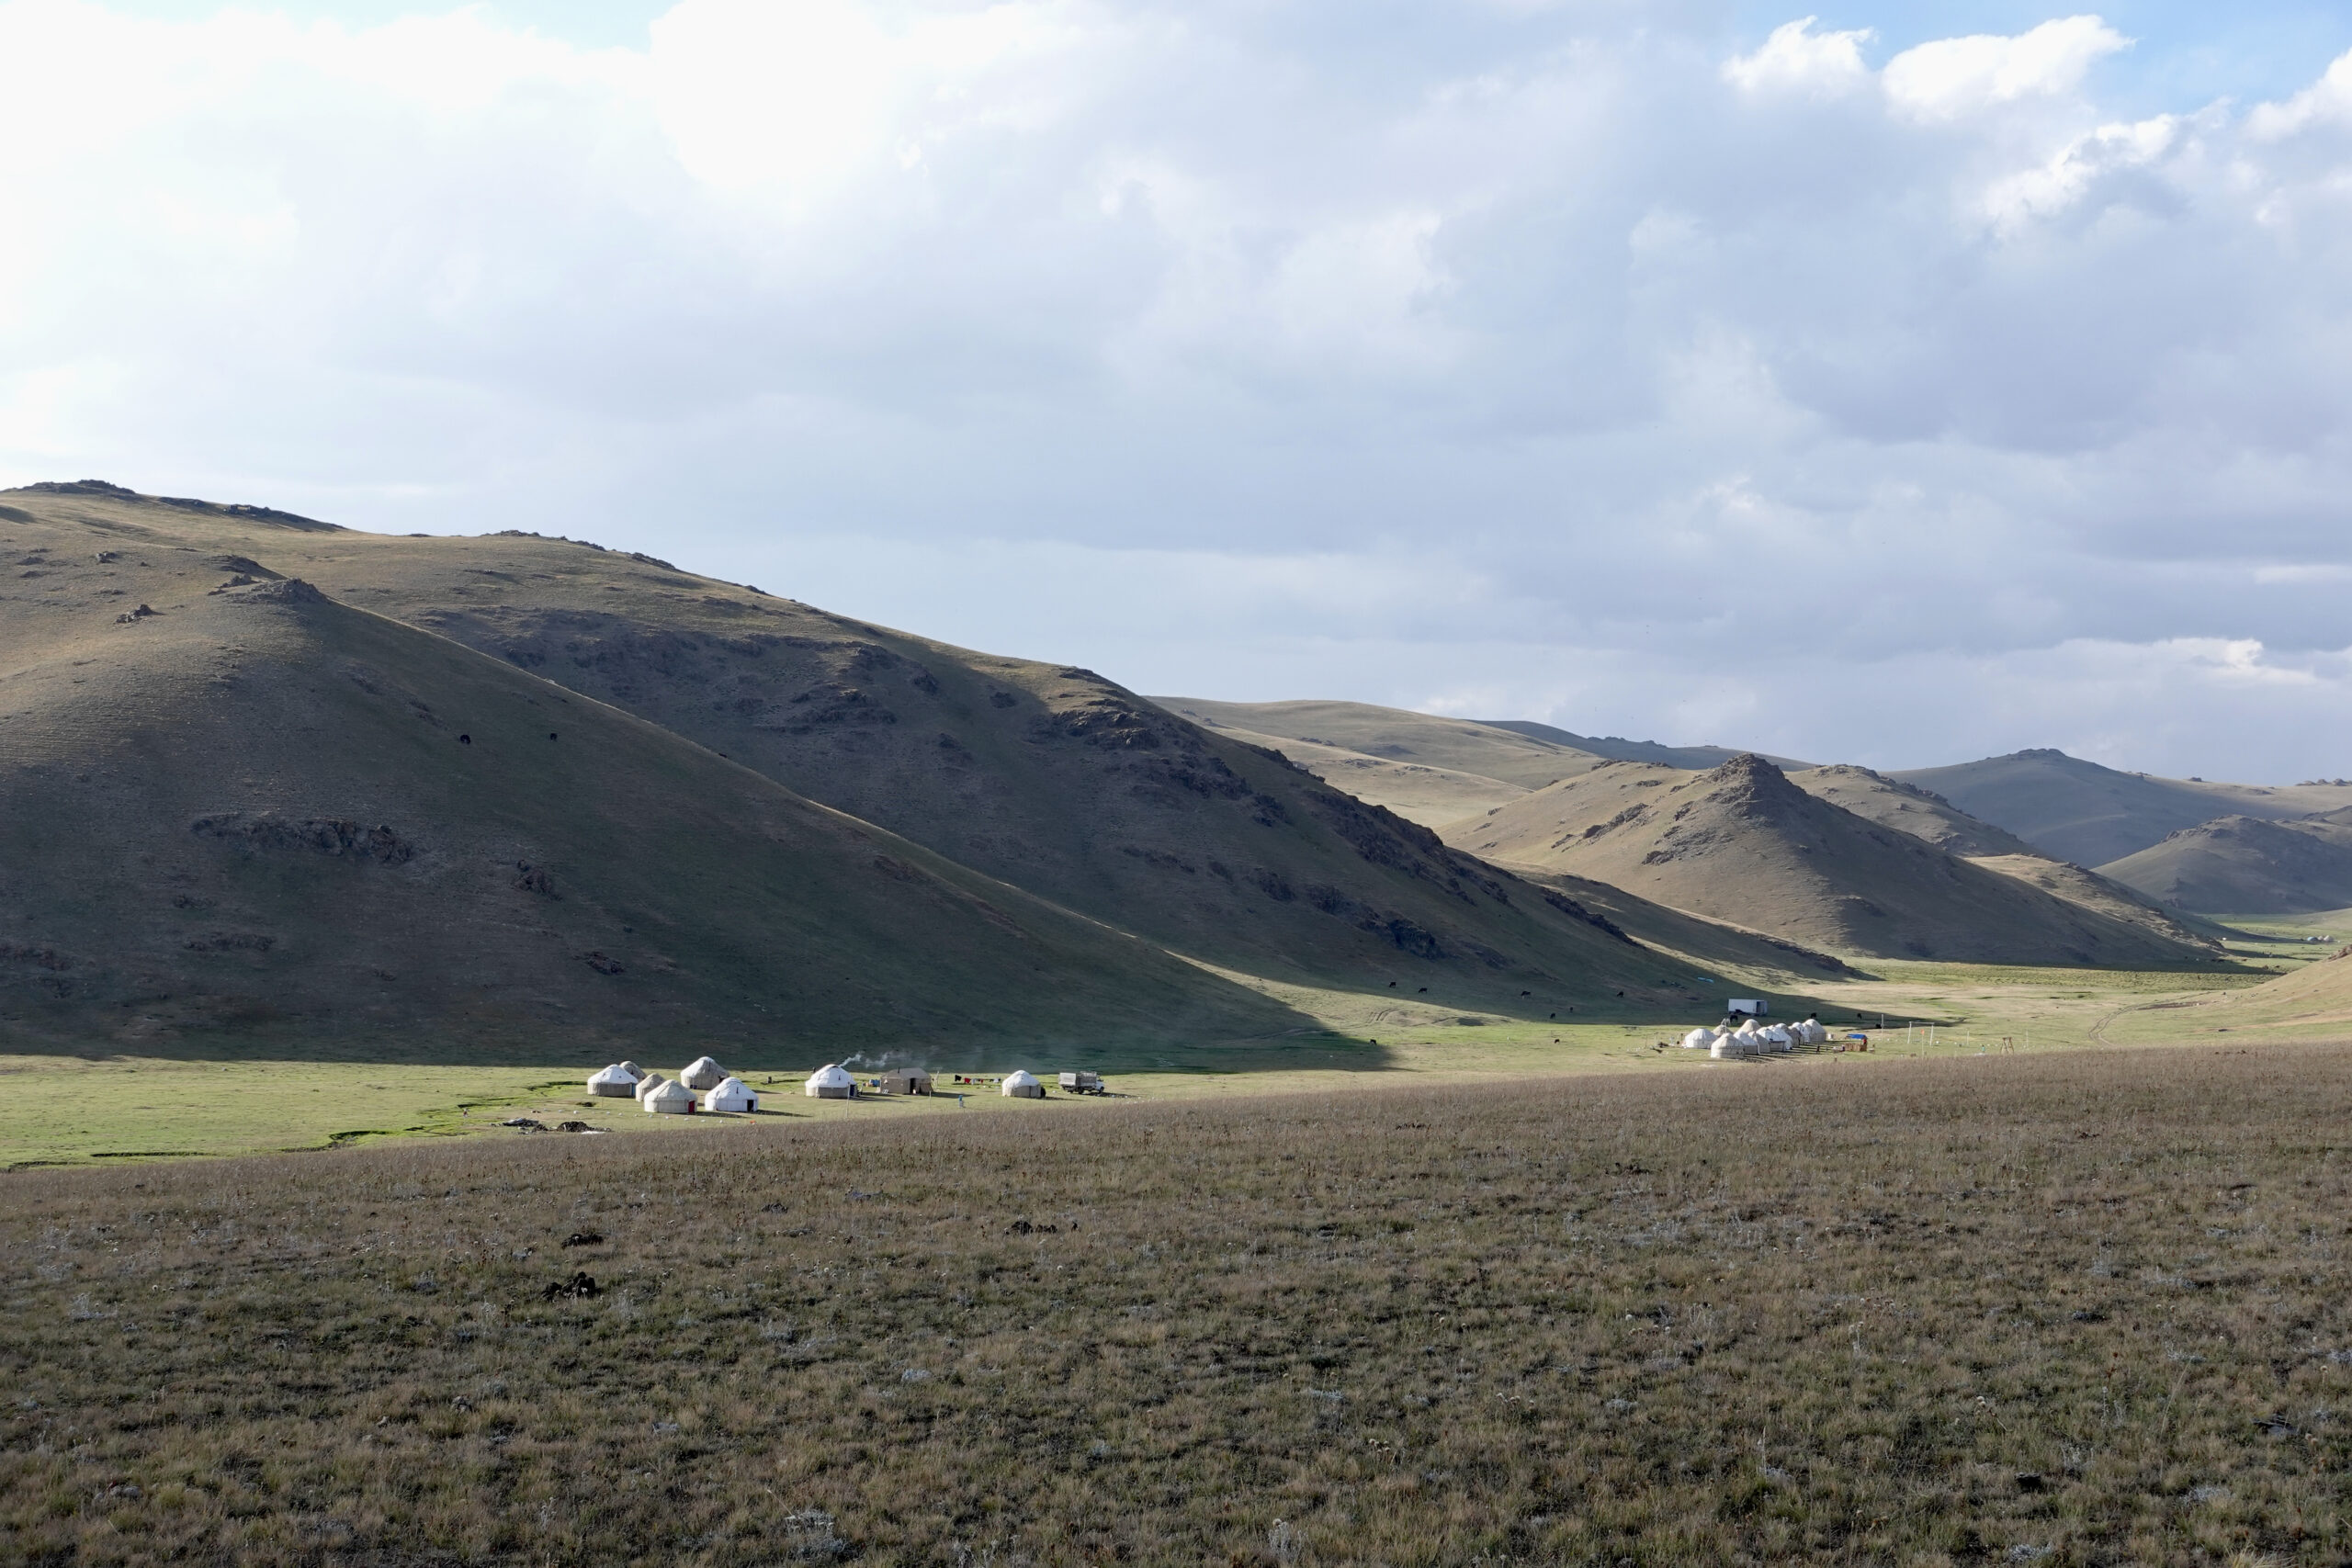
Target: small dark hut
(906, 1081)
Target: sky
(1894, 385)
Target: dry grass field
(2070, 1308)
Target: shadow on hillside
(1220, 1026)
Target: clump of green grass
(2058, 1309)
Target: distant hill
(1918, 812)
(1396, 735)
(1047, 778)
(1742, 843)
(236, 814)
(1713, 947)
(1415, 791)
(2104, 895)
(2247, 865)
(1924, 815)
(1618, 749)
(2079, 811)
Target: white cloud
(1796, 58)
(2074, 169)
(1952, 77)
(2327, 101)
(1556, 359)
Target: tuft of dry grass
(2062, 1308)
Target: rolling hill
(1415, 791)
(2073, 810)
(1744, 844)
(2247, 865)
(1395, 735)
(234, 809)
(1929, 817)
(1918, 812)
(1329, 738)
(1047, 778)
(1617, 748)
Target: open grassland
(73, 1109)
(2080, 1307)
(2282, 941)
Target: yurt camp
(669, 1100)
(1021, 1085)
(702, 1075)
(616, 1082)
(731, 1094)
(830, 1082)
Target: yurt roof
(1020, 1078)
(830, 1076)
(700, 1063)
(617, 1073)
(670, 1093)
(730, 1084)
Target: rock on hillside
(232, 808)
(1047, 777)
(1742, 843)
(2245, 865)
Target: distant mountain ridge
(2078, 810)
(1619, 750)
(1742, 843)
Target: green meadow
(75, 1109)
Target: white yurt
(616, 1082)
(669, 1100)
(734, 1094)
(705, 1074)
(1777, 1038)
(829, 1082)
(632, 1069)
(1731, 1044)
(1023, 1085)
(648, 1084)
(1698, 1039)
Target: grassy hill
(1921, 813)
(1395, 735)
(1431, 796)
(2073, 810)
(234, 809)
(2246, 866)
(1330, 739)
(1928, 816)
(1617, 748)
(1744, 844)
(1045, 777)
(1713, 947)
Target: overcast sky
(1900, 385)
